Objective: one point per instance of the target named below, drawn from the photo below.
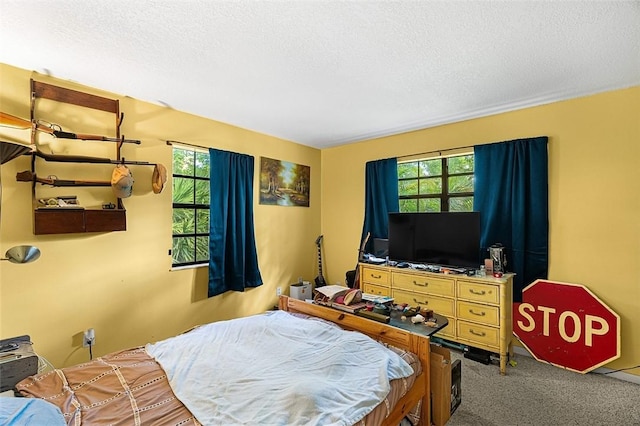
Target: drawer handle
(376, 276)
(425, 302)
(479, 293)
(480, 314)
(420, 285)
(475, 333)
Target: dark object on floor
(479, 355)
(456, 382)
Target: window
(436, 185)
(190, 207)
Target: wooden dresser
(478, 308)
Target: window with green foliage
(436, 184)
(190, 207)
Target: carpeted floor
(534, 393)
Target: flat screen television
(446, 238)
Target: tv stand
(478, 308)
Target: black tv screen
(446, 238)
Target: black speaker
(350, 278)
(479, 355)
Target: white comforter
(277, 369)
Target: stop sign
(567, 326)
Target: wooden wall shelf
(65, 221)
(68, 221)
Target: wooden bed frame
(397, 337)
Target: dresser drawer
(375, 289)
(439, 305)
(488, 293)
(375, 276)
(423, 283)
(449, 331)
(480, 313)
(478, 333)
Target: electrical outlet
(278, 291)
(89, 338)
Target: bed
(291, 366)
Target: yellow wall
(594, 193)
(120, 283)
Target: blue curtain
(381, 198)
(511, 194)
(233, 261)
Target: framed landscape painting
(283, 183)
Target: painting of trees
(283, 183)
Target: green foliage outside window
(437, 184)
(190, 207)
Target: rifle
(28, 176)
(84, 159)
(55, 130)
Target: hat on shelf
(158, 178)
(122, 181)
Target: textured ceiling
(324, 73)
